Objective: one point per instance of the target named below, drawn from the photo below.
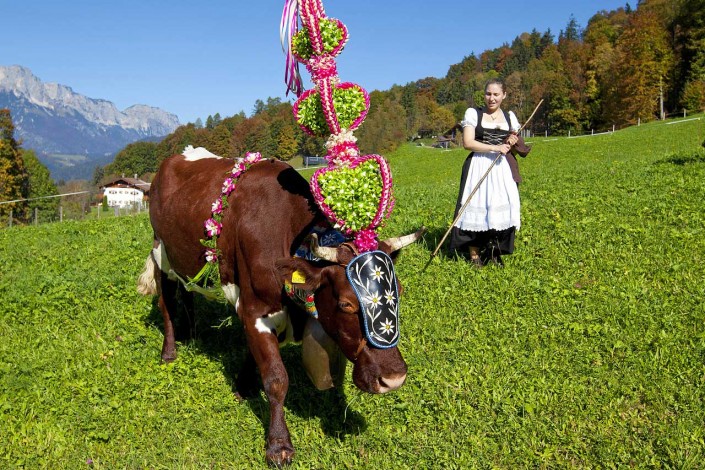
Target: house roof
(128, 182)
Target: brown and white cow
(270, 213)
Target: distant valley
(71, 133)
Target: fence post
(117, 211)
(638, 122)
(36, 216)
(10, 219)
(613, 128)
(684, 113)
(546, 133)
(592, 131)
(61, 213)
(568, 133)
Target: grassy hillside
(586, 350)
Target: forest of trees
(625, 66)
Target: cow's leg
(168, 306)
(275, 381)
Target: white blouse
(470, 119)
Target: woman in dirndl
(487, 227)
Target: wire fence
(71, 211)
(671, 118)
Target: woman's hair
(495, 81)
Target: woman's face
(494, 96)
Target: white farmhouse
(126, 192)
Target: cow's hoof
(168, 356)
(280, 454)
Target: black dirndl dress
(490, 242)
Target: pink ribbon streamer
(288, 27)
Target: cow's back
(270, 206)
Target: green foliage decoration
(349, 105)
(353, 193)
(331, 35)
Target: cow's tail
(146, 284)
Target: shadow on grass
(219, 334)
(683, 159)
(433, 237)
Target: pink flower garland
(213, 226)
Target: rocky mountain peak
(54, 120)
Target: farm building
(126, 192)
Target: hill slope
(585, 351)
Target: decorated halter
(373, 279)
(354, 191)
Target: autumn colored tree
(600, 38)
(183, 136)
(220, 142)
(287, 146)
(383, 129)
(253, 135)
(13, 175)
(643, 60)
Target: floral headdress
(354, 191)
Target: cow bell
(322, 358)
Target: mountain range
(71, 133)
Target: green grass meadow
(587, 350)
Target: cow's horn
(397, 243)
(324, 252)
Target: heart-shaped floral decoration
(350, 102)
(334, 35)
(357, 196)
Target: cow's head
(377, 368)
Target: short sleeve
(470, 118)
(514, 124)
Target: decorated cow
(288, 274)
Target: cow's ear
(300, 273)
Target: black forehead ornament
(374, 281)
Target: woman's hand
(512, 139)
(503, 148)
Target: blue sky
(196, 59)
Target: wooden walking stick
(477, 186)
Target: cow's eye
(346, 307)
